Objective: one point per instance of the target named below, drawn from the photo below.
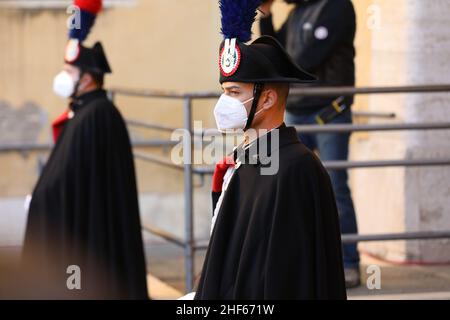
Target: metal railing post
(188, 196)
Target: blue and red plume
(238, 17)
(88, 12)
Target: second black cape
(276, 236)
(84, 211)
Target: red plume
(92, 6)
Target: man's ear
(270, 99)
(86, 81)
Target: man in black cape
(83, 236)
(275, 234)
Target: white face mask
(231, 114)
(64, 84)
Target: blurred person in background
(83, 236)
(319, 36)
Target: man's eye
(234, 93)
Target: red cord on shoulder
(219, 172)
(59, 123)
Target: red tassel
(219, 173)
(92, 6)
(58, 124)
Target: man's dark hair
(282, 90)
(98, 78)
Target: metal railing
(188, 242)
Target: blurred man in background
(319, 36)
(83, 236)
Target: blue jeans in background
(334, 146)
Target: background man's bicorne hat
(88, 59)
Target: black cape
(276, 236)
(84, 210)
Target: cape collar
(260, 150)
(78, 102)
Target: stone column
(411, 46)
